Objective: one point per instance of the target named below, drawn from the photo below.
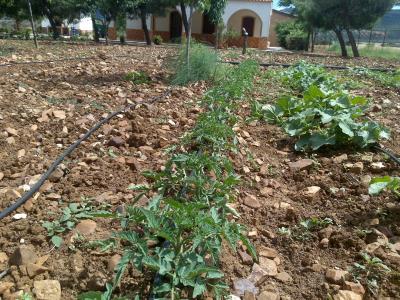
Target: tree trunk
(353, 43)
(340, 38)
(95, 30)
(189, 37)
(107, 25)
(53, 24)
(185, 19)
(32, 23)
(314, 38)
(144, 26)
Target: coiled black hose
(389, 153)
(69, 150)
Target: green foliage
(390, 79)
(70, 216)
(292, 35)
(138, 77)
(371, 272)
(203, 65)
(325, 115)
(380, 184)
(178, 237)
(158, 40)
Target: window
(248, 24)
(208, 27)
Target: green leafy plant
(203, 65)
(324, 115)
(138, 77)
(390, 79)
(371, 272)
(178, 237)
(380, 184)
(292, 35)
(158, 40)
(70, 216)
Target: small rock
(19, 216)
(301, 165)
(11, 131)
(340, 159)
(3, 260)
(354, 287)
(377, 166)
(268, 295)
(269, 266)
(249, 296)
(324, 243)
(335, 276)
(23, 255)
(377, 237)
(251, 201)
(21, 153)
(53, 197)
(5, 286)
(56, 175)
(97, 282)
(47, 289)
(77, 263)
(244, 285)
(366, 180)
(1, 176)
(317, 268)
(34, 270)
(356, 168)
(113, 262)
(312, 192)
(258, 275)
(246, 258)
(284, 277)
(116, 141)
(367, 158)
(326, 232)
(268, 252)
(371, 248)
(347, 295)
(86, 227)
(59, 114)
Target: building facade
(253, 15)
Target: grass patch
(371, 50)
(203, 66)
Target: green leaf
(346, 129)
(90, 296)
(199, 288)
(57, 241)
(379, 184)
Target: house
(278, 16)
(253, 15)
(78, 26)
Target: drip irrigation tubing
(7, 211)
(388, 152)
(264, 65)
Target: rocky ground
(45, 107)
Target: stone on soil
(5, 286)
(269, 266)
(86, 227)
(244, 285)
(258, 275)
(47, 289)
(246, 258)
(354, 287)
(335, 276)
(284, 277)
(34, 270)
(113, 262)
(251, 201)
(301, 165)
(268, 295)
(116, 141)
(268, 252)
(23, 255)
(347, 295)
(249, 296)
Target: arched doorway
(175, 28)
(248, 19)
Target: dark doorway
(208, 26)
(248, 24)
(175, 26)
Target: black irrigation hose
(69, 150)
(325, 66)
(389, 153)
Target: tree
(217, 8)
(340, 15)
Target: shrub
(158, 40)
(292, 35)
(139, 77)
(203, 65)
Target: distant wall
(276, 18)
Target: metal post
(32, 23)
(245, 40)
(384, 38)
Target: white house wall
(137, 23)
(262, 9)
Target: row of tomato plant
(178, 237)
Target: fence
(385, 37)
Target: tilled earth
(46, 107)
